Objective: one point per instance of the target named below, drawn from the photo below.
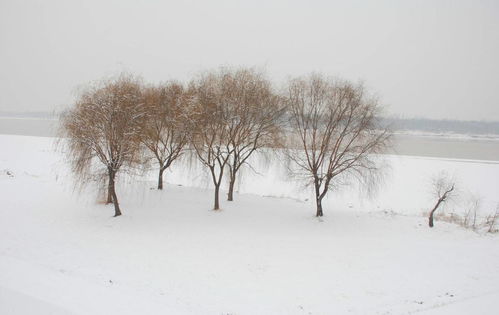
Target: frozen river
(446, 147)
(414, 145)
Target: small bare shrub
(491, 221)
(470, 216)
(450, 218)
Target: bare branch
(105, 125)
(335, 126)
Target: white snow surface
(62, 252)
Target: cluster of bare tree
(329, 128)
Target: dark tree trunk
(233, 168)
(109, 193)
(319, 208)
(217, 180)
(442, 198)
(430, 219)
(112, 175)
(216, 206)
(160, 178)
(230, 195)
(318, 199)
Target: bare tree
(105, 125)
(253, 113)
(210, 134)
(167, 127)
(335, 132)
(472, 207)
(491, 221)
(443, 188)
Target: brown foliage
(168, 123)
(105, 125)
(253, 114)
(237, 114)
(210, 133)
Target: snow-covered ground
(61, 252)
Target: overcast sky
(433, 59)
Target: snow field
(61, 252)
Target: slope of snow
(19, 303)
(62, 253)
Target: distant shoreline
(414, 127)
(450, 136)
(410, 143)
(28, 118)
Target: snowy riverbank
(63, 253)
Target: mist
(428, 59)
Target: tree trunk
(319, 208)
(318, 198)
(216, 183)
(117, 211)
(216, 206)
(109, 193)
(442, 198)
(160, 178)
(430, 219)
(230, 195)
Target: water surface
(413, 145)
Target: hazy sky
(434, 59)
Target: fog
(432, 59)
